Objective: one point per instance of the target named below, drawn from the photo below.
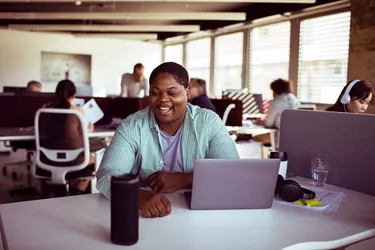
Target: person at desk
(64, 95)
(198, 94)
(283, 99)
(354, 98)
(161, 142)
(132, 84)
(34, 87)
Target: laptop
(233, 184)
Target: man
(132, 84)
(34, 87)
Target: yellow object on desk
(310, 203)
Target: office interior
(235, 46)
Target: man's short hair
(34, 83)
(201, 84)
(138, 66)
(281, 86)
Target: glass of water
(319, 171)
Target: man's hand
(153, 204)
(167, 182)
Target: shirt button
(161, 162)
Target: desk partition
(19, 110)
(345, 140)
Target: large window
(323, 57)
(269, 57)
(173, 53)
(228, 62)
(198, 59)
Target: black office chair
(29, 146)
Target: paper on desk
(330, 199)
(93, 113)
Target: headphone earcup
(290, 191)
(345, 99)
(280, 180)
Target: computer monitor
(13, 89)
(82, 90)
(345, 140)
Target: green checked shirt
(135, 147)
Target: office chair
(339, 244)
(29, 146)
(62, 152)
(226, 112)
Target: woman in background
(354, 98)
(198, 94)
(283, 99)
(72, 137)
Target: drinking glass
(319, 171)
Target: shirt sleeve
(147, 87)
(271, 117)
(118, 159)
(221, 145)
(124, 86)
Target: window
(269, 57)
(198, 59)
(323, 57)
(228, 62)
(173, 53)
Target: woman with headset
(354, 98)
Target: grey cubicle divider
(346, 140)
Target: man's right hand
(152, 204)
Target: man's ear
(187, 93)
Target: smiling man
(161, 142)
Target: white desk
(83, 222)
(15, 134)
(256, 130)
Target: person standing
(133, 83)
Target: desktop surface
(83, 222)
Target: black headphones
(291, 191)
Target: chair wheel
(5, 171)
(14, 176)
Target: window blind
(198, 59)
(269, 57)
(173, 53)
(323, 57)
(228, 62)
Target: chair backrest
(251, 103)
(339, 244)
(61, 141)
(226, 112)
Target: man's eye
(155, 93)
(172, 93)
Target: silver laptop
(233, 184)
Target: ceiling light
(165, 1)
(228, 16)
(130, 28)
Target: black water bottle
(124, 209)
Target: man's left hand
(166, 182)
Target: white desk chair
(51, 156)
(339, 244)
(226, 112)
